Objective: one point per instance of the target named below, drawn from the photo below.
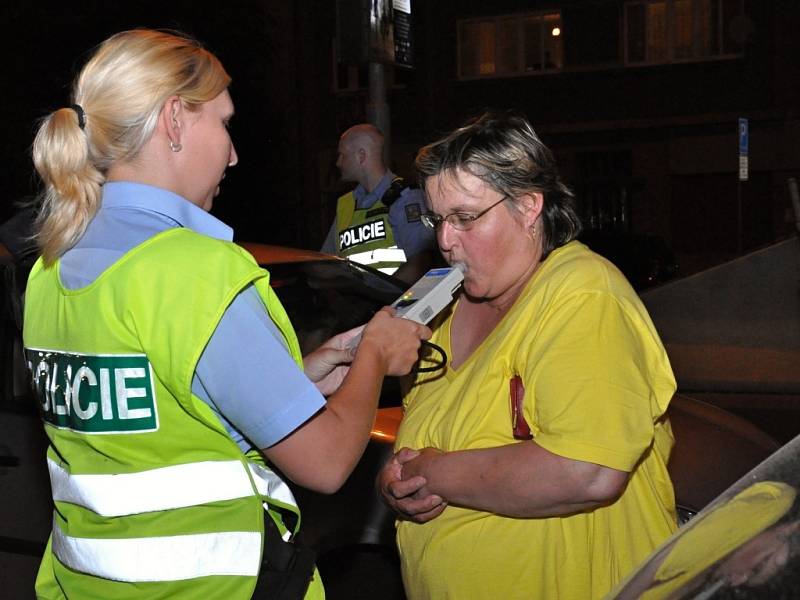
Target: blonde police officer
(167, 370)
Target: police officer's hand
(397, 341)
(327, 365)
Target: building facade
(641, 101)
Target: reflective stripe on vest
(166, 488)
(374, 258)
(170, 558)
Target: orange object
(386, 423)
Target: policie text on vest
(94, 393)
(360, 234)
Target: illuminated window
(510, 45)
(664, 31)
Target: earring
(175, 147)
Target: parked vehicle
(744, 545)
(732, 333)
(351, 530)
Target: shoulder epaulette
(394, 191)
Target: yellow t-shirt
(597, 380)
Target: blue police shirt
(260, 397)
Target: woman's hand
(407, 496)
(327, 365)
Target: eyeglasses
(463, 221)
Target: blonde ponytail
(119, 95)
(72, 184)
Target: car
(744, 545)
(732, 333)
(26, 507)
(323, 295)
(351, 530)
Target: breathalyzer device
(427, 297)
(430, 294)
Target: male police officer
(378, 223)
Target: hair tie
(81, 115)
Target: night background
(48, 42)
(639, 100)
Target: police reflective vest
(153, 498)
(365, 236)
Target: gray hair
(503, 150)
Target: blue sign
(744, 137)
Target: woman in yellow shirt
(534, 464)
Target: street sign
(744, 143)
(403, 40)
(744, 168)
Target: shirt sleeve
(404, 217)
(250, 377)
(599, 380)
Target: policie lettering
(362, 233)
(91, 393)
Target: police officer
(166, 370)
(378, 223)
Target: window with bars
(510, 45)
(665, 31)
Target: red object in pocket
(519, 425)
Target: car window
(326, 297)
